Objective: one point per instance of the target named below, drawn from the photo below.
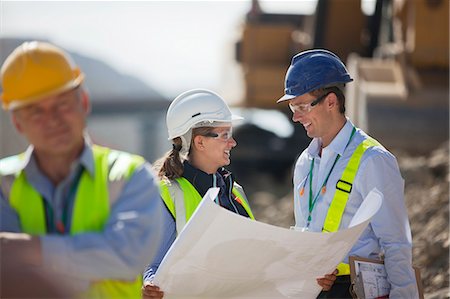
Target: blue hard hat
(311, 70)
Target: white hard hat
(197, 108)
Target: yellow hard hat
(36, 70)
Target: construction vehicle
(398, 57)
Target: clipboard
(369, 278)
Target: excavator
(398, 56)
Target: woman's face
(214, 148)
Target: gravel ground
(426, 197)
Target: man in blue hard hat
(341, 165)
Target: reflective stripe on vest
(343, 189)
(90, 212)
(182, 199)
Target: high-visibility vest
(94, 197)
(182, 199)
(343, 189)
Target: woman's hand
(151, 291)
(327, 281)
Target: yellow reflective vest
(182, 199)
(343, 189)
(93, 199)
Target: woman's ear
(198, 143)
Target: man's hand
(151, 291)
(327, 281)
(26, 247)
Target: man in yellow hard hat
(89, 213)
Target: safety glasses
(306, 108)
(224, 136)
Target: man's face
(315, 119)
(54, 125)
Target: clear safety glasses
(224, 136)
(306, 108)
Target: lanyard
(216, 200)
(323, 189)
(62, 224)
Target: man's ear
(85, 101)
(332, 101)
(16, 122)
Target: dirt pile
(427, 201)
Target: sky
(170, 45)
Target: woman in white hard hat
(199, 123)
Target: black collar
(203, 181)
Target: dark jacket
(222, 179)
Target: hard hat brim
(218, 122)
(286, 97)
(235, 117)
(15, 104)
(212, 123)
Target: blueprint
(220, 254)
